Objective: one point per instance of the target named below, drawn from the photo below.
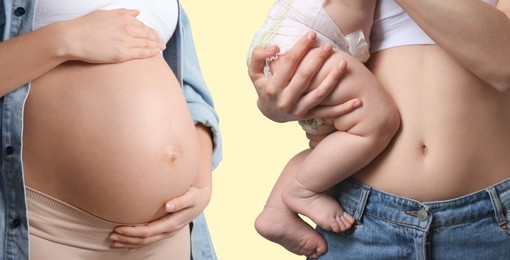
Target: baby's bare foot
(286, 228)
(345, 221)
(321, 208)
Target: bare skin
(114, 135)
(279, 224)
(439, 96)
(363, 135)
(108, 39)
(290, 230)
(183, 209)
(124, 38)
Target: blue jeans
(474, 226)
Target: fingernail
(356, 104)
(311, 36)
(118, 231)
(327, 47)
(114, 237)
(170, 207)
(270, 49)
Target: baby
(352, 140)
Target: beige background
(255, 148)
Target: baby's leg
(351, 16)
(280, 225)
(335, 158)
(361, 136)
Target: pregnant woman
(108, 144)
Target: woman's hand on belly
(109, 36)
(182, 210)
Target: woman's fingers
(135, 242)
(294, 91)
(138, 236)
(187, 200)
(109, 36)
(317, 95)
(336, 110)
(258, 61)
(292, 58)
(141, 30)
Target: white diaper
(288, 21)
(316, 126)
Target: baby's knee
(388, 124)
(379, 122)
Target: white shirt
(161, 15)
(393, 27)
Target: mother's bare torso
(116, 140)
(454, 130)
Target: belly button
(172, 155)
(424, 149)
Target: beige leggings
(61, 231)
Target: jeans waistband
(359, 200)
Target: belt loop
(498, 209)
(365, 192)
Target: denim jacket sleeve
(15, 19)
(195, 90)
(181, 56)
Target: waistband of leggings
(59, 222)
(365, 200)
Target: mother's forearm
(474, 33)
(27, 57)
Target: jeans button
(422, 215)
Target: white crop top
(393, 27)
(161, 15)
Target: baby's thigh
(357, 80)
(378, 109)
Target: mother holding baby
(441, 189)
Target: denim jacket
(16, 18)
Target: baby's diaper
(289, 20)
(316, 126)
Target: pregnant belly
(115, 140)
